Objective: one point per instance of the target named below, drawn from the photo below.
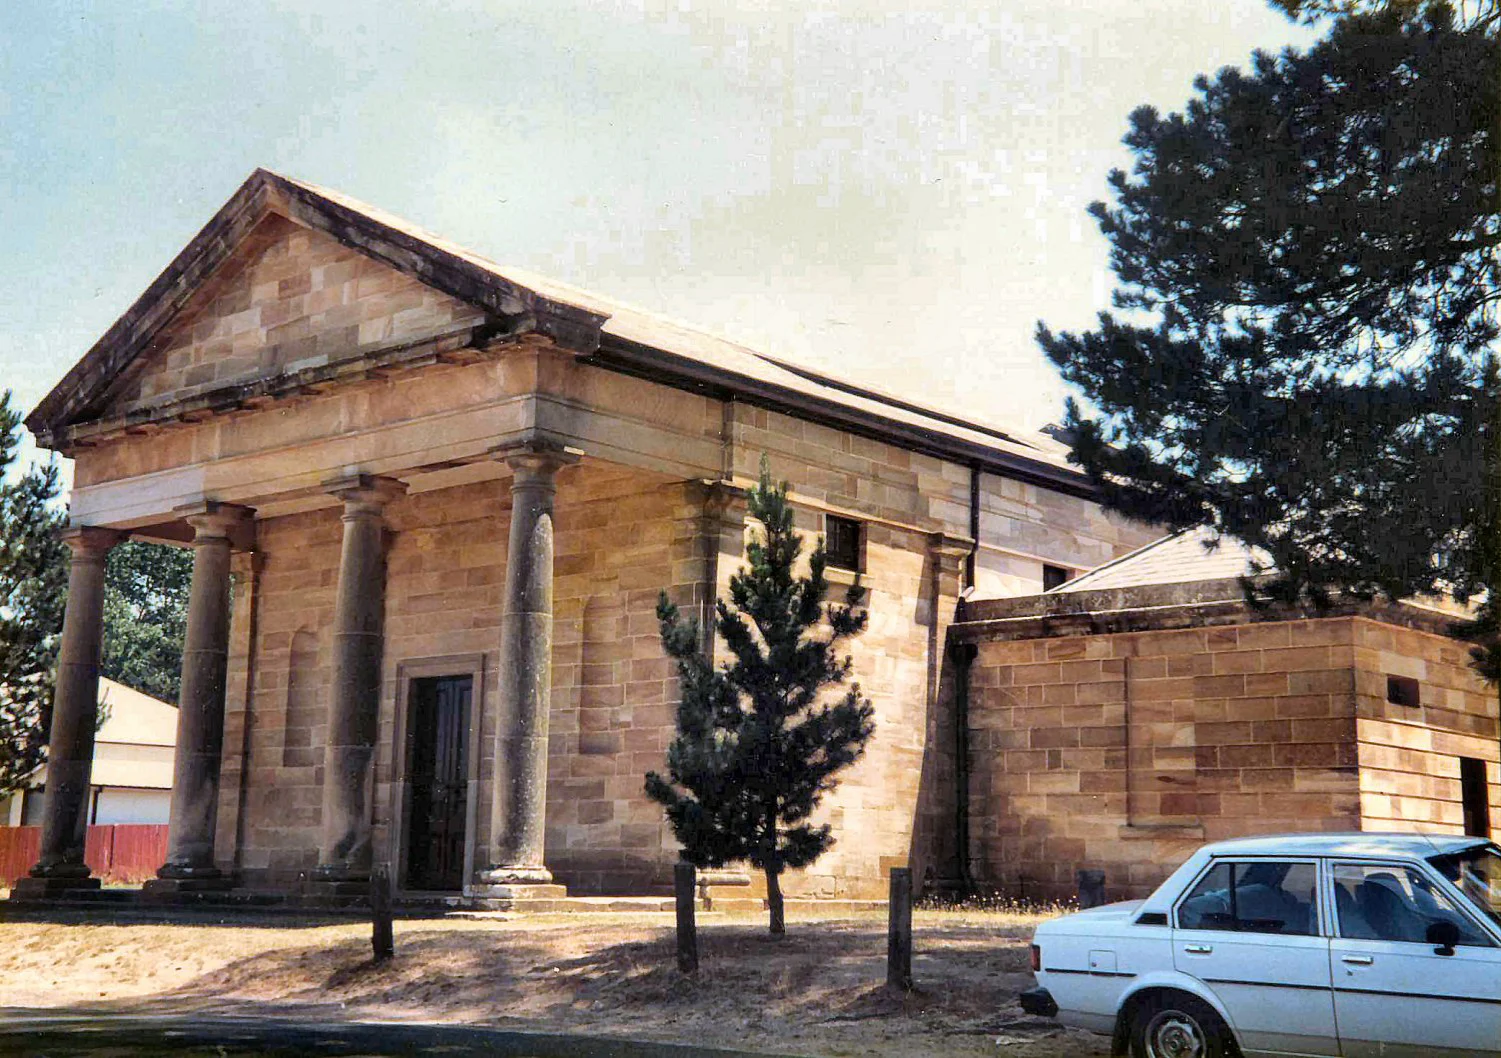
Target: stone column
(75, 715)
(518, 813)
(344, 860)
(200, 705)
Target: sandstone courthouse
(432, 500)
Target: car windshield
(1477, 873)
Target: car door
(1395, 994)
(1252, 932)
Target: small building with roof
(131, 781)
(1120, 720)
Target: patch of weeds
(994, 902)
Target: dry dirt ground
(817, 991)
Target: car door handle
(1198, 949)
(1358, 960)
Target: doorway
(438, 712)
(1475, 796)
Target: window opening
(1403, 690)
(842, 539)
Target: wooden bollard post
(382, 936)
(899, 931)
(685, 888)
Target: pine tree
(1470, 12)
(1305, 352)
(758, 742)
(33, 579)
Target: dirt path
(817, 991)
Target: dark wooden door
(438, 771)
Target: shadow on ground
(818, 991)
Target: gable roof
(604, 332)
(440, 265)
(1181, 558)
(134, 718)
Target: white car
(1304, 944)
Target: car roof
(1355, 843)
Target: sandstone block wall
(1022, 526)
(1127, 751)
(1410, 757)
(622, 536)
(288, 668)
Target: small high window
(1054, 576)
(842, 542)
(1403, 690)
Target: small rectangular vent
(1403, 690)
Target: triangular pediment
(287, 276)
(286, 299)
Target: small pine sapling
(759, 742)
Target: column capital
(90, 541)
(212, 520)
(535, 460)
(725, 501)
(367, 492)
(948, 548)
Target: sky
(892, 192)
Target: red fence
(125, 853)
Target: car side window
(1379, 901)
(1258, 896)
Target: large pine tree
(758, 741)
(33, 577)
(1304, 349)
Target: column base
(181, 887)
(517, 875)
(535, 897)
(517, 887)
(53, 887)
(337, 885)
(63, 869)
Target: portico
(431, 504)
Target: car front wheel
(1179, 1026)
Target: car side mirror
(1443, 935)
